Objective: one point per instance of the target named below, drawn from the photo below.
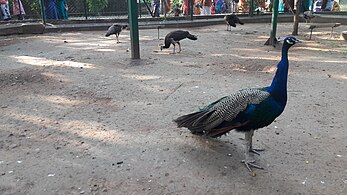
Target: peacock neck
(278, 86)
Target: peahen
(244, 111)
(116, 29)
(232, 20)
(175, 37)
(308, 16)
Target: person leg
(208, 10)
(5, 11)
(202, 10)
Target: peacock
(244, 111)
(116, 29)
(308, 16)
(232, 20)
(175, 37)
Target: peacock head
(290, 41)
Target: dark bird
(308, 16)
(175, 37)
(116, 29)
(244, 111)
(232, 20)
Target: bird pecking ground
(80, 117)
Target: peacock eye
(289, 42)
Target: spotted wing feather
(229, 107)
(225, 109)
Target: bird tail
(196, 122)
(192, 37)
(193, 121)
(237, 20)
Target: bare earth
(80, 117)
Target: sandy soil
(80, 117)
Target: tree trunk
(296, 17)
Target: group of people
(56, 9)
(207, 7)
(326, 5)
(18, 10)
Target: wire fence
(109, 9)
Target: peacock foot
(256, 151)
(250, 163)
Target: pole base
(270, 42)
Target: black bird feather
(116, 29)
(175, 37)
(232, 20)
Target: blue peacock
(244, 111)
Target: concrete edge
(39, 28)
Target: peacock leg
(253, 150)
(248, 148)
(117, 38)
(256, 151)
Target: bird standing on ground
(116, 29)
(308, 16)
(232, 20)
(245, 110)
(175, 37)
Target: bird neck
(278, 87)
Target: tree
(95, 6)
(296, 17)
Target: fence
(108, 9)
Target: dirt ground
(80, 117)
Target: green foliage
(174, 2)
(34, 7)
(95, 6)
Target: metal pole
(274, 22)
(191, 8)
(43, 13)
(85, 9)
(251, 8)
(164, 8)
(272, 40)
(19, 9)
(134, 29)
(139, 2)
